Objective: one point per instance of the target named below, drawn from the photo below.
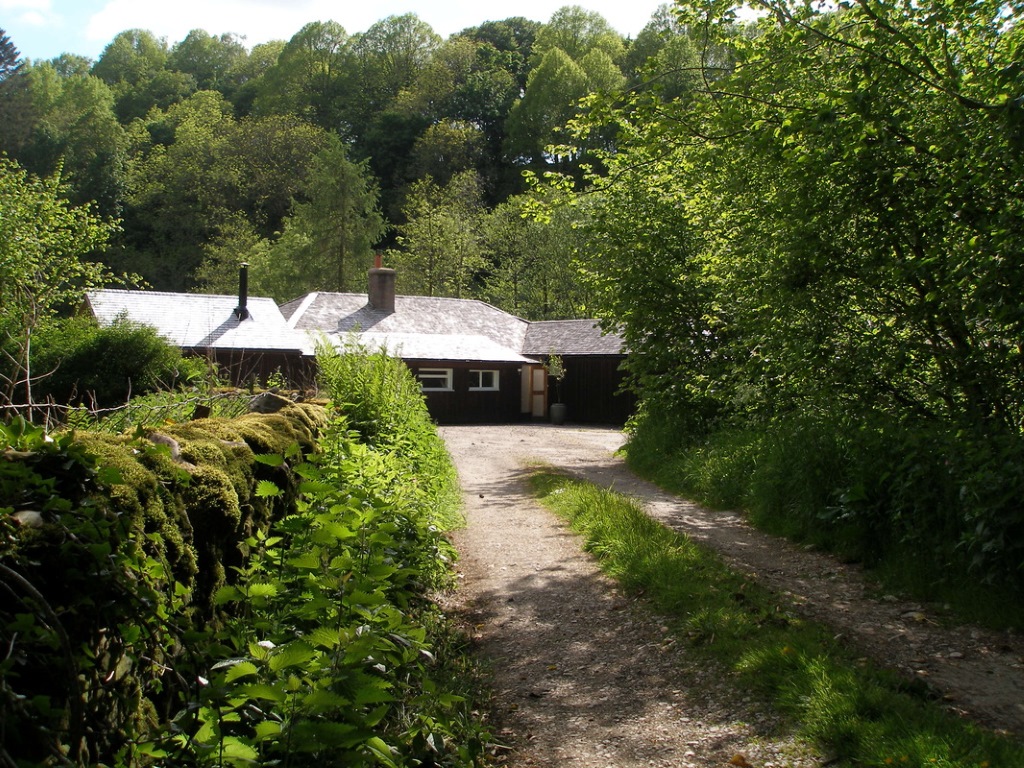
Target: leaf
(262, 590)
(227, 595)
(266, 489)
(316, 488)
(321, 701)
(238, 671)
(291, 655)
(309, 560)
(261, 651)
(380, 750)
(374, 694)
(235, 749)
(363, 598)
(267, 730)
(324, 637)
(270, 459)
(332, 532)
(314, 736)
(262, 691)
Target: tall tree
(311, 77)
(552, 92)
(846, 191)
(532, 258)
(327, 242)
(389, 56)
(440, 240)
(514, 37)
(665, 58)
(44, 245)
(577, 32)
(134, 65)
(575, 54)
(446, 149)
(17, 116)
(76, 130)
(249, 72)
(214, 62)
(465, 92)
(193, 167)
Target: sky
(43, 29)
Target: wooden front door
(535, 391)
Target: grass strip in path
(861, 715)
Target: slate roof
(455, 347)
(570, 337)
(424, 327)
(420, 328)
(201, 321)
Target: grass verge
(858, 714)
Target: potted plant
(556, 371)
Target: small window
(483, 381)
(435, 379)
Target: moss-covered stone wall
(113, 549)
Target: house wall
(244, 367)
(461, 406)
(590, 390)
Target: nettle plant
(328, 658)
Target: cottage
(594, 384)
(475, 362)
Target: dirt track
(586, 678)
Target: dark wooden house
(475, 362)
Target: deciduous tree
(327, 241)
(440, 240)
(44, 245)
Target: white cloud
(31, 13)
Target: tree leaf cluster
(825, 233)
(307, 150)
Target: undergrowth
(330, 654)
(335, 653)
(855, 712)
(921, 507)
(318, 643)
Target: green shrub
(241, 591)
(381, 400)
(80, 362)
(112, 548)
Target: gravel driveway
(585, 677)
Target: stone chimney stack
(242, 310)
(382, 286)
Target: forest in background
(304, 156)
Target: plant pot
(558, 411)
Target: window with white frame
(435, 379)
(483, 381)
